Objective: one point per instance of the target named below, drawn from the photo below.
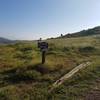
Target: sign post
(43, 57)
(43, 47)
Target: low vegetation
(23, 77)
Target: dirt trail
(68, 75)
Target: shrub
(25, 49)
(21, 55)
(34, 75)
(65, 49)
(25, 76)
(87, 49)
(2, 96)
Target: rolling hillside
(5, 41)
(88, 32)
(23, 77)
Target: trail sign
(43, 47)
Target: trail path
(68, 75)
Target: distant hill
(88, 32)
(5, 41)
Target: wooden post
(43, 56)
(43, 48)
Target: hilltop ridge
(88, 32)
(5, 41)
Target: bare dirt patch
(93, 95)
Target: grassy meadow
(23, 77)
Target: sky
(32, 19)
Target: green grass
(79, 86)
(23, 77)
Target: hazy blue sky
(32, 19)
